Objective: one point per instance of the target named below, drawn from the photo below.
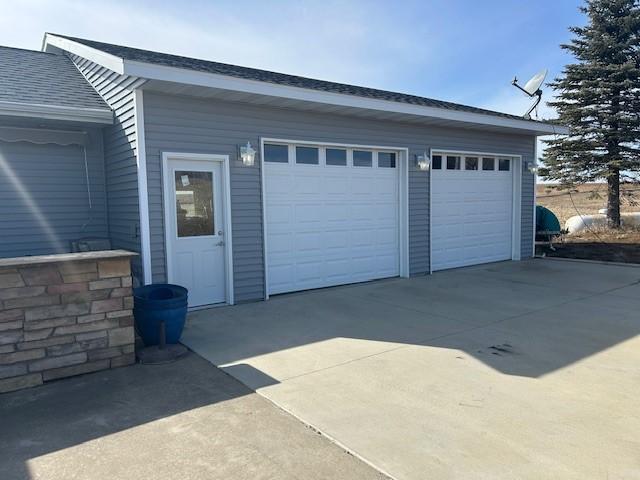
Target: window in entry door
(194, 203)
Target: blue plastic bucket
(157, 303)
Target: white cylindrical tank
(580, 223)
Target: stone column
(64, 315)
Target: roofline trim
(112, 62)
(226, 82)
(56, 112)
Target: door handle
(219, 244)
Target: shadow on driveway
(185, 420)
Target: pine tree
(598, 98)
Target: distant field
(588, 199)
(596, 244)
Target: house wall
(186, 124)
(120, 152)
(44, 202)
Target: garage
(333, 214)
(472, 208)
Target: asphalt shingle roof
(31, 77)
(147, 56)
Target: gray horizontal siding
(185, 124)
(44, 203)
(120, 151)
(528, 220)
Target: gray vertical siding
(119, 155)
(186, 124)
(44, 203)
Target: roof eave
(205, 79)
(55, 112)
(51, 42)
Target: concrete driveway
(181, 421)
(522, 370)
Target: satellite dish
(533, 85)
(532, 89)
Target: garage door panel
(336, 239)
(278, 214)
(336, 212)
(279, 243)
(362, 213)
(330, 225)
(387, 237)
(471, 216)
(308, 213)
(336, 185)
(387, 212)
(308, 242)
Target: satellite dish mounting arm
(538, 94)
(532, 89)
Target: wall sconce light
(422, 161)
(532, 167)
(248, 155)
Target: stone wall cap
(65, 257)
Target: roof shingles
(38, 78)
(147, 56)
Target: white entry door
(471, 209)
(194, 216)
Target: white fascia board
(56, 112)
(112, 62)
(205, 79)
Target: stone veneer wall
(64, 315)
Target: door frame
(226, 195)
(403, 194)
(516, 192)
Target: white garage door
(472, 204)
(331, 216)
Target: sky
(462, 51)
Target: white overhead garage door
(332, 215)
(471, 210)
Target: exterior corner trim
(143, 193)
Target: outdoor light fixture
(422, 162)
(248, 154)
(532, 167)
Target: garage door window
(488, 163)
(276, 153)
(386, 160)
(336, 157)
(504, 164)
(453, 162)
(471, 163)
(362, 158)
(307, 155)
